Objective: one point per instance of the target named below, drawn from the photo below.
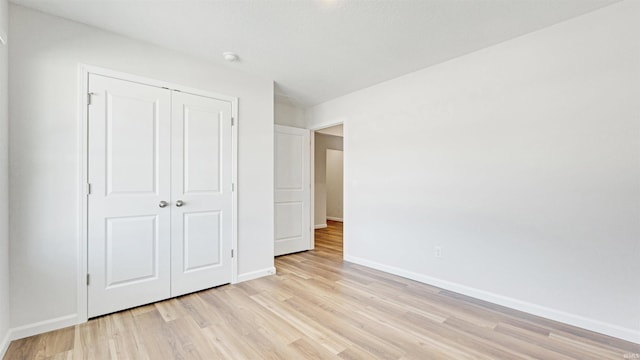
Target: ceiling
(335, 130)
(317, 50)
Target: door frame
(312, 166)
(82, 187)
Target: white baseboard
(320, 226)
(24, 331)
(4, 344)
(256, 274)
(545, 312)
(334, 218)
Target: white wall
(288, 115)
(334, 184)
(322, 142)
(4, 192)
(520, 160)
(44, 152)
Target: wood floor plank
(319, 307)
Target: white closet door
(201, 219)
(292, 190)
(129, 171)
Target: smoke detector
(231, 57)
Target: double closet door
(160, 202)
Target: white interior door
(129, 171)
(292, 190)
(201, 219)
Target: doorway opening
(328, 193)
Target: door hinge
(233, 187)
(233, 121)
(88, 189)
(88, 279)
(232, 253)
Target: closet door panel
(129, 171)
(201, 190)
(202, 131)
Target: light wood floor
(318, 307)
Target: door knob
(163, 204)
(179, 203)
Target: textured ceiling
(317, 50)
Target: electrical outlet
(438, 252)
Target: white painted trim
(320, 226)
(256, 274)
(334, 218)
(234, 196)
(346, 186)
(312, 191)
(83, 88)
(4, 344)
(43, 327)
(328, 124)
(534, 309)
(155, 82)
(82, 236)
